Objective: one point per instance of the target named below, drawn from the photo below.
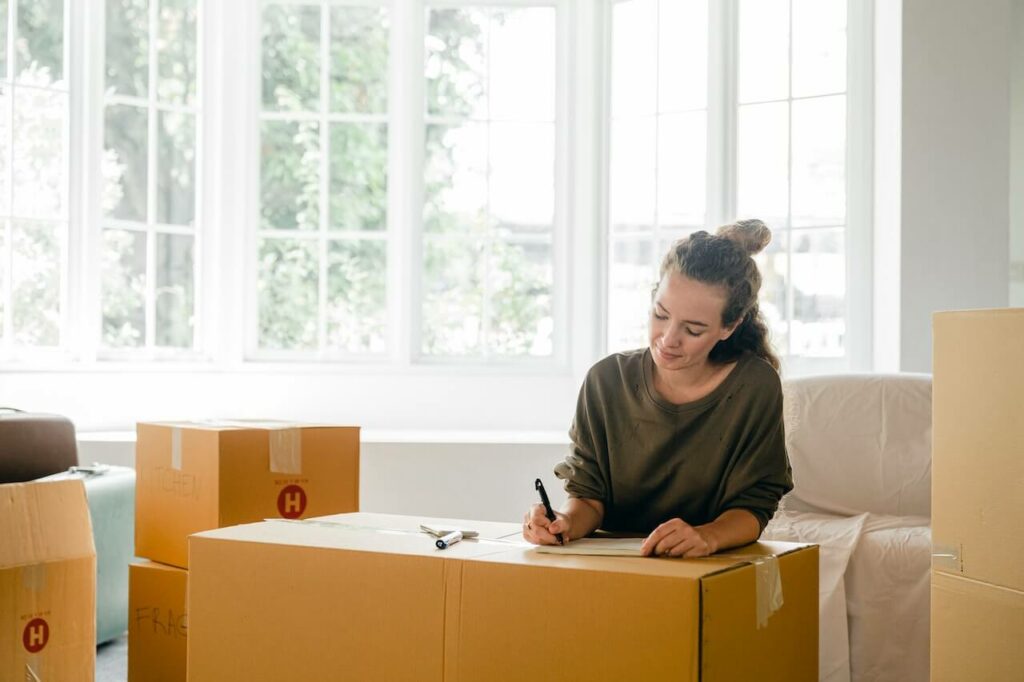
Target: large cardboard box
(198, 476)
(978, 445)
(977, 630)
(366, 597)
(158, 622)
(47, 583)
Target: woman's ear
(728, 331)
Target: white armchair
(860, 447)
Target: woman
(682, 440)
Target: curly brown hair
(726, 259)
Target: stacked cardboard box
(367, 597)
(200, 476)
(47, 582)
(977, 619)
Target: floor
(112, 661)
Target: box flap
(44, 521)
(359, 532)
(241, 424)
(498, 542)
(666, 567)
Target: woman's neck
(689, 383)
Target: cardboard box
(47, 583)
(977, 630)
(157, 622)
(196, 477)
(366, 597)
(978, 445)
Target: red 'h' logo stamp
(291, 502)
(36, 635)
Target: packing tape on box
(176, 448)
(285, 440)
(767, 583)
(947, 558)
(769, 588)
(286, 451)
(33, 577)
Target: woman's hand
(538, 530)
(678, 538)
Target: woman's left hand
(678, 538)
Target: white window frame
(404, 233)
(560, 227)
(88, 106)
(9, 352)
(395, 391)
(722, 101)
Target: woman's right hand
(537, 529)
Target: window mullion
(489, 235)
(859, 184)
(406, 153)
(602, 208)
(722, 112)
(790, 292)
(247, 152)
(7, 253)
(88, 289)
(151, 177)
(74, 172)
(325, 151)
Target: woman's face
(686, 321)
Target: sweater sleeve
(584, 469)
(761, 473)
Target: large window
(658, 160)
(322, 238)
(489, 182)
(150, 233)
(34, 161)
(421, 184)
(791, 164)
(776, 151)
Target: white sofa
(860, 447)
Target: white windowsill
(383, 436)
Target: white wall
(382, 398)
(486, 477)
(888, 40)
(1017, 155)
(955, 164)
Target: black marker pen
(548, 511)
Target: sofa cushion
(860, 443)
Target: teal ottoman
(111, 494)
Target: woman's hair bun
(752, 235)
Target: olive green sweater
(649, 460)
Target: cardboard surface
(47, 582)
(365, 596)
(195, 477)
(978, 445)
(977, 630)
(157, 623)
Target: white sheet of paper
(597, 546)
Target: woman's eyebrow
(697, 323)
